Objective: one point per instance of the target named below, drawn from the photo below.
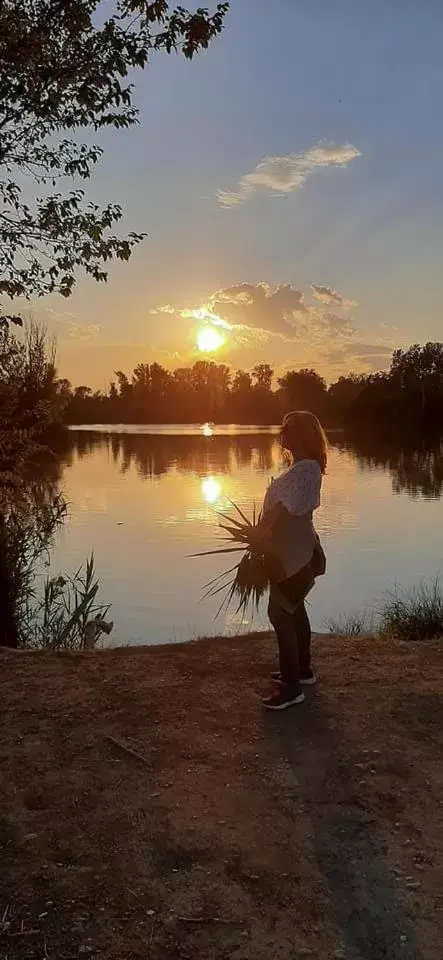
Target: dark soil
(149, 808)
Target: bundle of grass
(247, 581)
(414, 615)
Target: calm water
(144, 497)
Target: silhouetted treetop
(64, 67)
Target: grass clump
(67, 616)
(351, 625)
(413, 615)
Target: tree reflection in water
(415, 467)
(154, 455)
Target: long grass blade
(237, 531)
(238, 536)
(219, 575)
(225, 602)
(209, 553)
(214, 592)
(248, 522)
(233, 520)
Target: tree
(242, 382)
(242, 397)
(124, 387)
(343, 393)
(374, 403)
(62, 69)
(263, 375)
(30, 403)
(64, 392)
(141, 383)
(304, 390)
(417, 373)
(82, 392)
(160, 381)
(150, 384)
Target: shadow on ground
(372, 921)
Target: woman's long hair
(302, 435)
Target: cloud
(167, 308)
(254, 312)
(357, 357)
(276, 325)
(275, 310)
(256, 308)
(331, 297)
(370, 351)
(80, 331)
(322, 327)
(71, 328)
(286, 174)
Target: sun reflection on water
(211, 489)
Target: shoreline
(151, 808)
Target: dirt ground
(149, 808)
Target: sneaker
(307, 679)
(282, 699)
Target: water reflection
(414, 469)
(211, 489)
(146, 502)
(415, 466)
(156, 455)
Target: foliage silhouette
(407, 397)
(64, 68)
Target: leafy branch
(62, 70)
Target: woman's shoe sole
(284, 706)
(307, 682)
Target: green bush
(416, 614)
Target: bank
(150, 809)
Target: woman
(287, 536)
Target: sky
(289, 181)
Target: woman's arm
(261, 539)
(268, 521)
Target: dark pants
(293, 632)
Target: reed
(67, 615)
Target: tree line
(410, 393)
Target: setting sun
(209, 339)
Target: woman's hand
(260, 537)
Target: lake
(143, 498)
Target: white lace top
(297, 489)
